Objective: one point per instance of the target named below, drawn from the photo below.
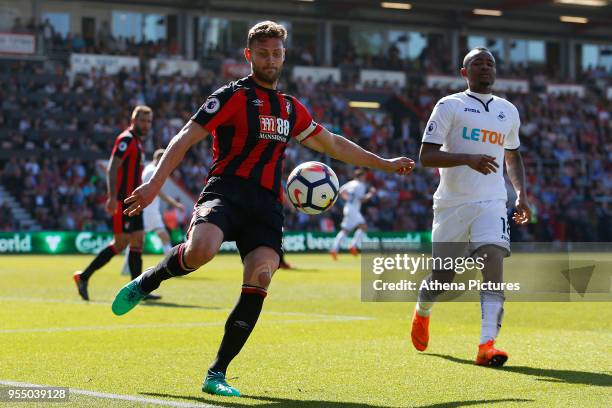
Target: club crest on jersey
(212, 105)
(501, 116)
(288, 107)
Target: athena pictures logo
(212, 105)
(431, 127)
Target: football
(312, 187)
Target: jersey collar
(484, 99)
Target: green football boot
(215, 384)
(128, 297)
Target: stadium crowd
(61, 124)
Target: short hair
(266, 29)
(474, 51)
(358, 172)
(158, 154)
(141, 109)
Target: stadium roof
(591, 20)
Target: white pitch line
(94, 302)
(166, 325)
(105, 395)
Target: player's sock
(172, 265)
(125, 269)
(356, 242)
(167, 248)
(428, 295)
(492, 308)
(135, 262)
(338, 240)
(239, 325)
(99, 261)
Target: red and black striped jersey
(129, 149)
(251, 126)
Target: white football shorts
(473, 224)
(351, 220)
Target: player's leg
(165, 239)
(201, 246)
(118, 244)
(487, 232)
(259, 267)
(340, 236)
(135, 253)
(355, 244)
(125, 269)
(260, 245)
(449, 237)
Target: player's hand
(111, 205)
(523, 212)
(483, 163)
(140, 198)
(399, 165)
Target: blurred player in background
(468, 137)
(354, 193)
(152, 214)
(123, 175)
(251, 124)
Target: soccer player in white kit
(468, 137)
(354, 193)
(152, 213)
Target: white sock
(492, 308)
(167, 247)
(125, 269)
(336, 245)
(424, 308)
(356, 242)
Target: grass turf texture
(316, 344)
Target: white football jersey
(147, 173)
(468, 122)
(356, 191)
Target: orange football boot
(489, 356)
(334, 255)
(420, 331)
(353, 250)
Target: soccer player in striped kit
(123, 175)
(251, 123)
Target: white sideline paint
(105, 395)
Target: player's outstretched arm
(189, 135)
(431, 156)
(344, 150)
(516, 173)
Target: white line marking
(168, 325)
(167, 403)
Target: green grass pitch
(316, 344)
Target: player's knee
(491, 253)
(260, 274)
(264, 279)
(199, 253)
